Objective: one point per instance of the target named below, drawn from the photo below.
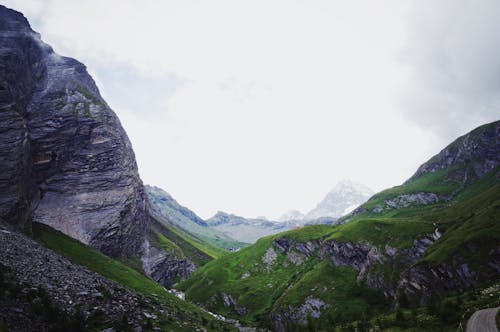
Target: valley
(86, 246)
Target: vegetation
(260, 289)
(186, 224)
(114, 270)
(183, 244)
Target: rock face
(344, 198)
(161, 200)
(65, 159)
(480, 149)
(165, 268)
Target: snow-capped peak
(343, 198)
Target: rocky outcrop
(163, 267)
(426, 279)
(229, 302)
(311, 308)
(415, 199)
(65, 159)
(480, 149)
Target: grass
(398, 233)
(474, 220)
(430, 182)
(168, 246)
(470, 217)
(81, 254)
(187, 224)
(170, 239)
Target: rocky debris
(71, 288)
(269, 258)
(229, 302)
(165, 268)
(311, 308)
(66, 160)
(295, 258)
(415, 199)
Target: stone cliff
(66, 160)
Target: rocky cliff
(421, 242)
(65, 159)
(469, 157)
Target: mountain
(69, 180)
(291, 215)
(419, 256)
(172, 214)
(66, 160)
(342, 199)
(247, 230)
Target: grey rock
(269, 258)
(310, 308)
(415, 199)
(479, 148)
(65, 159)
(165, 268)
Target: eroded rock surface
(65, 159)
(165, 268)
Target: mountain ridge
(400, 249)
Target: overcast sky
(258, 107)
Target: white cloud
(252, 107)
(454, 65)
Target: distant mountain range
(230, 232)
(345, 197)
(166, 209)
(247, 230)
(435, 239)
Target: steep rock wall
(65, 159)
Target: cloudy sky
(257, 107)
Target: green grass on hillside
(186, 241)
(398, 233)
(81, 254)
(430, 182)
(470, 217)
(474, 220)
(169, 246)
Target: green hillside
(185, 244)
(413, 247)
(187, 315)
(187, 223)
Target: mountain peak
(343, 198)
(291, 215)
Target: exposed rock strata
(163, 267)
(474, 148)
(415, 279)
(66, 160)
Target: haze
(258, 107)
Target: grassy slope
(189, 316)
(284, 284)
(192, 247)
(185, 226)
(472, 215)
